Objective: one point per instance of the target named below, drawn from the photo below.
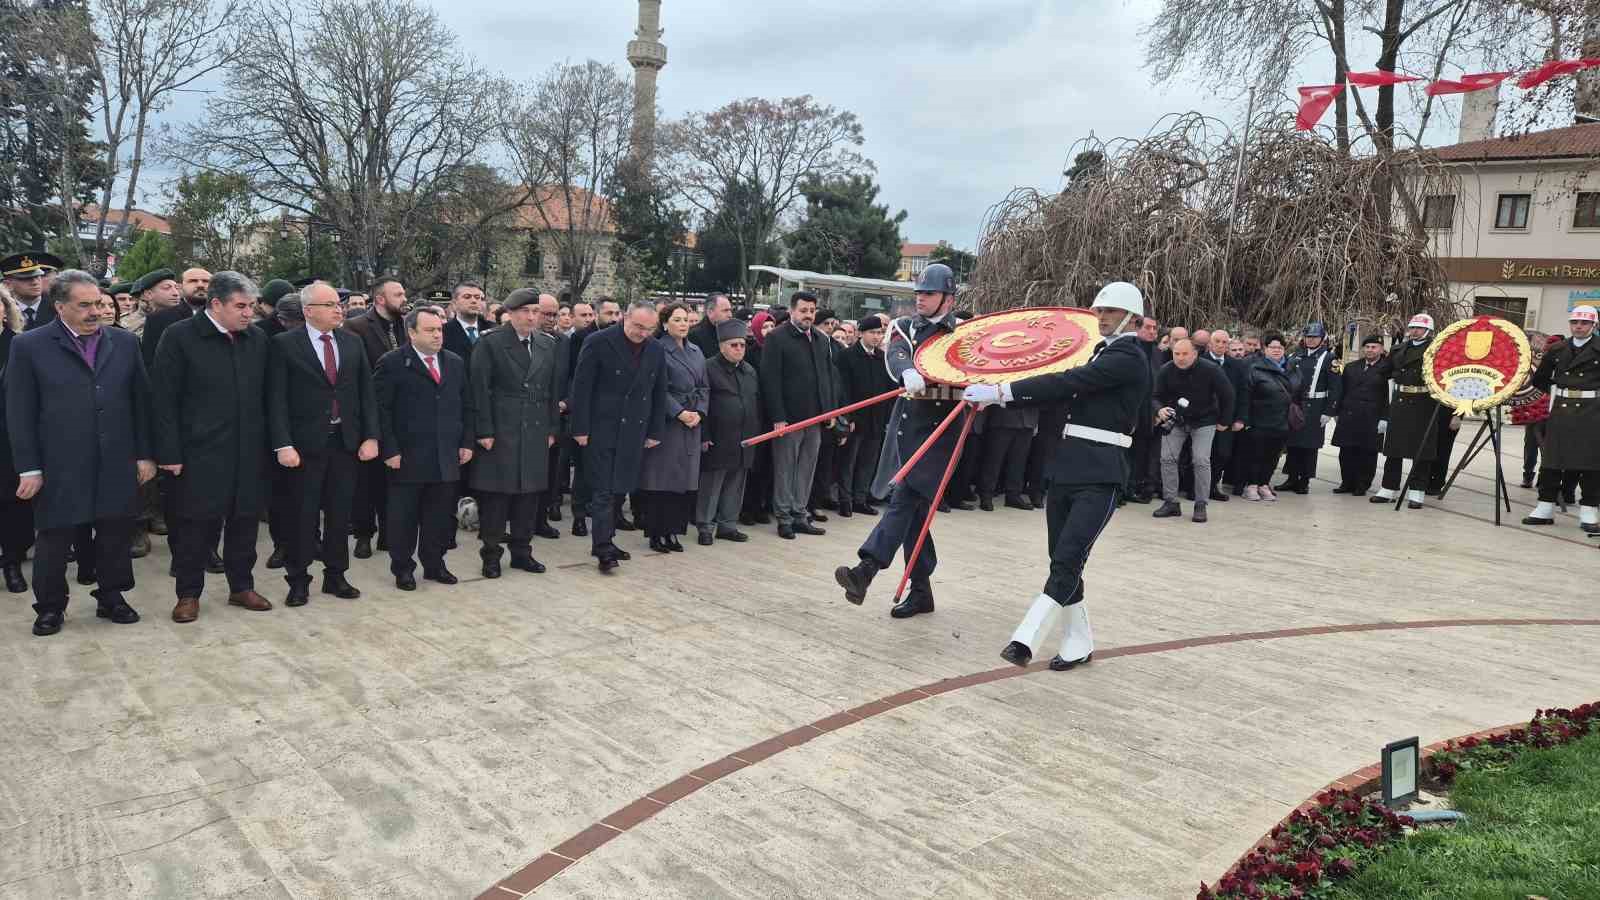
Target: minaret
(647, 55)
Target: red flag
(1314, 102)
(1378, 78)
(1467, 84)
(1555, 68)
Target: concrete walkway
(432, 744)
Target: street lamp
(312, 227)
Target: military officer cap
(522, 297)
(1372, 339)
(28, 265)
(305, 282)
(151, 279)
(275, 290)
(824, 315)
(870, 323)
(121, 287)
(732, 330)
(744, 313)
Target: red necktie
(431, 370)
(331, 369)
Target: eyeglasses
(317, 305)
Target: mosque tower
(648, 56)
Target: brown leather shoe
(250, 600)
(187, 610)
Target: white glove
(987, 394)
(1326, 420)
(1383, 427)
(913, 381)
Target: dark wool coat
(514, 401)
(1363, 404)
(1411, 414)
(426, 423)
(734, 415)
(1316, 376)
(618, 403)
(1572, 433)
(1112, 392)
(1267, 395)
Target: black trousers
(604, 505)
(16, 530)
(1394, 465)
(1051, 421)
(1531, 436)
(1263, 449)
(323, 487)
(421, 518)
(1444, 445)
(281, 510)
(866, 445)
(662, 514)
(1075, 514)
(758, 488)
(1222, 453)
(1300, 463)
(1142, 456)
(1005, 460)
(1357, 468)
(198, 536)
(499, 514)
(897, 529)
(368, 512)
(1555, 482)
(112, 539)
(552, 492)
(822, 483)
(580, 481)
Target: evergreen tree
(960, 261)
(649, 228)
(151, 251)
(845, 231)
(720, 245)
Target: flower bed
(1329, 837)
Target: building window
(1512, 211)
(1587, 212)
(1439, 212)
(1512, 309)
(918, 263)
(533, 262)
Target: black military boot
(856, 579)
(1167, 510)
(918, 600)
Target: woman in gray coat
(671, 471)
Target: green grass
(1533, 829)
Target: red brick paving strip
(530, 877)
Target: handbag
(1297, 416)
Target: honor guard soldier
(1570, 371)
(1413, 416)
(915, 416)
(1315, 363)
(1104, 400)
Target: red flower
(1342, 867)
(1309, 870)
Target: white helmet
(1582, 314)
(1421, 320)
(1120, 295)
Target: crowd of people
(196, 406)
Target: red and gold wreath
(1477, 364)
(1009, 346)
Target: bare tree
(357, 113)
(568, 134)
(765, 150)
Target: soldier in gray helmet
(1314, 360)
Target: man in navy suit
(78, 413)
(425, 428)
(462, 332)
(321, 418)
(618, 398)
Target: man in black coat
(862, 374)
(208, 394)
(322, 418)
(797, 382)
(718, 309)
(1363, 405)
(462, 332)
(1314, 362)
(1106, 398)
(1413, 416)
(272, 293)
(733, 415)
(1226, 443)
(549, 507)
(589, 319)
(1192, 397)
(1570, 372)
(381, 328)
(77, 410)
(618, 402)
(425, 419)
(166, 305)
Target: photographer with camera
(1193, 396)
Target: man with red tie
(322, 417)
(425, 428)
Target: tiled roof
(1572, 142)
(916, 249)
(557, 213)
(147, 221)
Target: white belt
(1317, 396)
(1570, 394)
(1098, 435)
(1411, 388)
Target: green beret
(122, 287)
(151, 279)
(275, 291)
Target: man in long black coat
(425, 419)
(1363, 406)
(208, 392)
(322, 419)
(862, 374)
(618, 402)
(733, 414)
(77, 410)
(381, 329)
(1413, 416)
(1570, 372)
(1225, 445)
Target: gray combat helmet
(937, 277)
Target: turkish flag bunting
(1314, 101)
(1467, 84)
(1555, 68)
(1378, 78)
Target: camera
(1178, 418)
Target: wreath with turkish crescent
(1477, 364)
(1008, 346)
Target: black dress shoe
(1376, 499)
(1219, 496)
(275, 561)
(1341, 489)
(785, 531)
(1289, 484)
(406, 582)
(119, 613)
(555, 513)
(944, 506)
(1139, 498)
(732, 534)
(626, 524)
(1057, 664)
(986, 503)
(1302, 487)
(580, 527)
(856, 579)
(673, 545)
(705, 539)
(865, 507)
(339, 587)
(363, 548)
(1017, 501)
(443, 576)
(299, 595)
(621, 554)
(746, 519)
(15, 583)
(846, 509)
(527, 564)
(915, 603)
(659, 545)
(1527, 481)
(546, 531)
(763, 518)
(808, 528)
(141, 545)
(491, 568)
(382, 544)
(1017, 653)
(1037, 500)
(214, 564)
(965, 505)
(814, 516)
(608, 564)
(86, 576)
(47, 623)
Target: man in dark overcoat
(862, 374)
(515, 383)
(425, 422)
(797, 382)
(618, 404)
(549, 508)
(1314, 361)
(1363, 406)
(208, 392)
(322, 420)
(1570, 372)
(78, 416)
(1413, 416)
(734, 414)
(381, 329)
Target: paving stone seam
(548, 865)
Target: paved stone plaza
(432, 744)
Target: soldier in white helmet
(1570, 372)
(1413, 416)
(1104, 400)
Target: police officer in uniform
(916, 414)
(1413, 414)
(1104, 400)
(1314, 361)
(1571, 373)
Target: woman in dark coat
(1270, 390)
(670, 474)
(1364, 403)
